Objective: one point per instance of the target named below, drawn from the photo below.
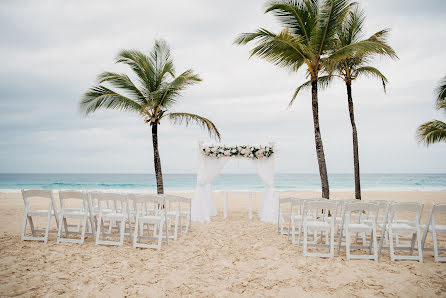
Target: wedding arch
(213, 158)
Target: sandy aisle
(222, 258)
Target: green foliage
(435, 131)
(154, 91)
(432, 132)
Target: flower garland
(252, 152)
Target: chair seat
(41, 213)
(150, 219)
(361, 227)
(318, 225)
(402, 227)
(438, 228)
(74, 213)
(113, 215)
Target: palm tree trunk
(355, 141)
(318, 141)
(157, 160)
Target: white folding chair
(360, 218)
(145, 218)
(80, 212)
(43, 195)
(322, 223)
(398, 224)
(431, 227)
(118, 214)
(283, 215)
(178, 208)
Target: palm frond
(352, 28)
(441, 94)
(298, 16)
(331, 16)
(323, 83)
(162, 60)
(432, 132)
(370, 71)
(141, 64)
(122, 81)
(101, 97)
(187, 118)
(362, 48)
(282, 49)
(167, 94)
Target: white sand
(226, 257)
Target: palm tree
(435, 131)
(309, 37)
(152, 96)
(354, 67)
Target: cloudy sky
(52, 51)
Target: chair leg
(99, 227)
(175, 235)
(160, 235)
(420, 249)
(347, 243)
(298, 238)
(375, 245)
(412, 243)
(59, 228)
(84, 228)
(25, 220)
(47, 229)
(392, 254)
(122, 231)
(135, 232)
(305, 240)
(332, 241)
(31, 224)
(434, 240)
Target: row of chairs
(107, 216)
(349, 224)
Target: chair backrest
(363, 211)
(439, 208)
(326, 206)
(141, 203)
(175, 202)
(34, 194)
(73, 195)
(405, 212)
(116, 201)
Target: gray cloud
(52, 52)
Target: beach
(225, 257)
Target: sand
(226, 257)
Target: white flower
(251, 155)
(227, 152)
(214, 149)
(234, 150)
(243, 152)
(259, 155)
(207, 150)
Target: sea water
(236, 182)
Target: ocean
(225, 182)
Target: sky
(53, 50)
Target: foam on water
(234, 182)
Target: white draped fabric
(203, 205)
(265, 169)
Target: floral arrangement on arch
(253, 152)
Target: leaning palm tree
(435, 131)
(354, 67)
(152, 94)
(309, 38)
